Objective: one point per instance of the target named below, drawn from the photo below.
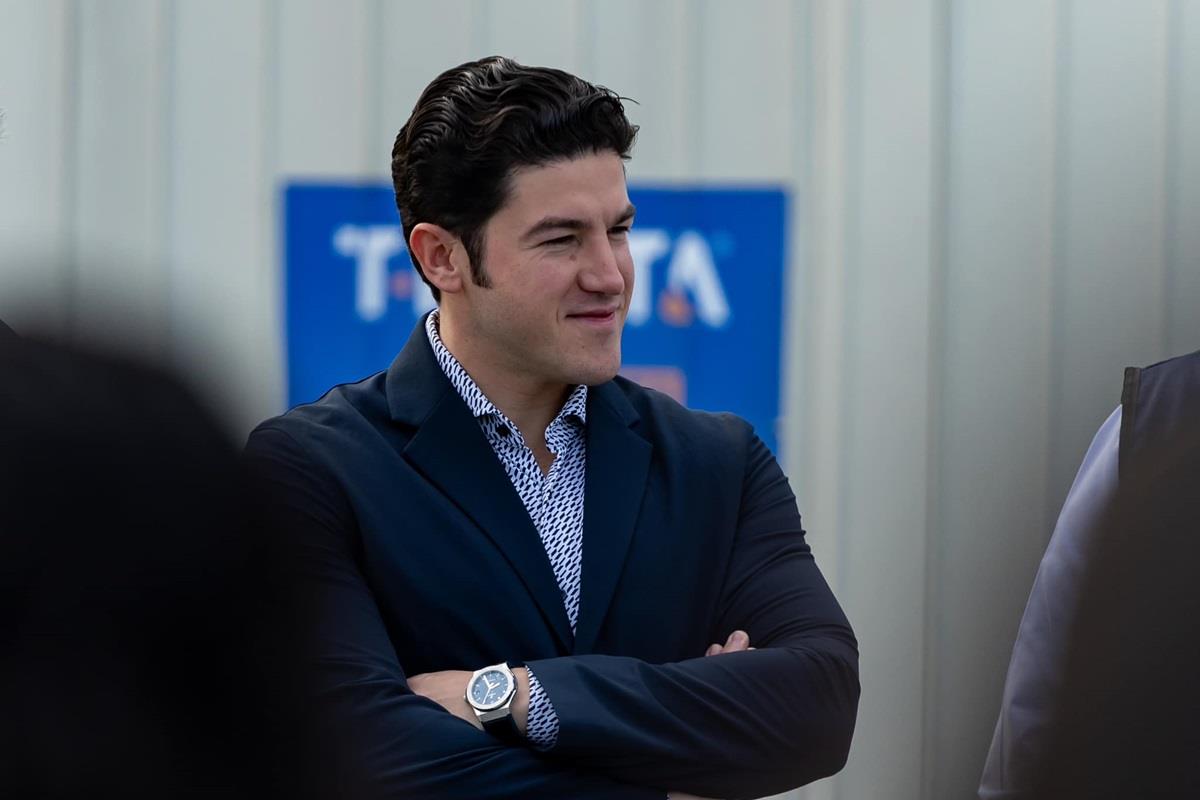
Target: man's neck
(530, 404)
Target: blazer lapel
(451, 452)
(618, 460)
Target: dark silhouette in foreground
(138, 652)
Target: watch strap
(504, 729)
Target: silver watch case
(500, 708)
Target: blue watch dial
(489, 688)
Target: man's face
(556, 256)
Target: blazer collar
(415, 383)
(618, 461)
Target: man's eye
(620, 230)
(560, 240)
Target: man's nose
(602, 273)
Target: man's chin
(597, 374)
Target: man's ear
(442, 256)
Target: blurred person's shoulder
(1159, 423)
(345, 412)
(1187, 360)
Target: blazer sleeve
(367, 735)
(742, 724)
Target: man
(1100, 697)
(514, 560)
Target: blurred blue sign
(704, 324)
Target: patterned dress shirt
(554, 499)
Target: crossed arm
(744, 724)
(448, 689)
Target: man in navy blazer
(521, 575)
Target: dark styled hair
(475, 124)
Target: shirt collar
(574, 410)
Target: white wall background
(997, 208)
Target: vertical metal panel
(883, 484)
(821, 246)
(746, 85)
(816, 309)
(224, 277)
(324, 87)
(37, 94)
(533, 32)
(1183, 176)
(1110, 309)
(991, 521)
(415, 43)
(939, 268)
(641, 51)
(120, 144)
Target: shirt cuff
(541, 727)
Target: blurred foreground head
(134, 646)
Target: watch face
(489, 689)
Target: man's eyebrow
(546, 224)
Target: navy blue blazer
(414, 553)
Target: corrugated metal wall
(997, 208)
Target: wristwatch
(490, 693)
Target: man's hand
(737, 641)
(449, 690)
